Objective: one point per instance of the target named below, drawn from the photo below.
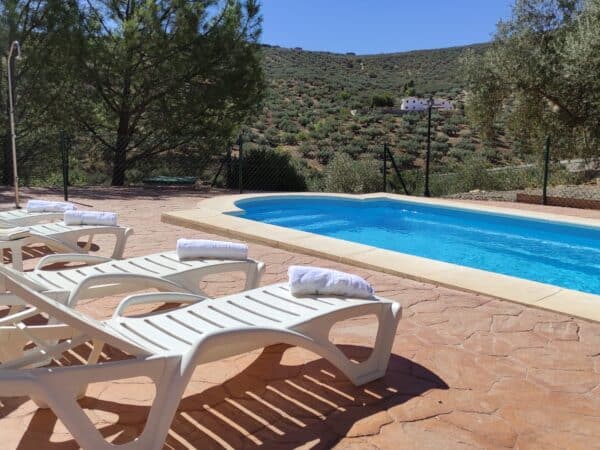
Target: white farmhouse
(421, 104)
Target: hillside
(319, 104)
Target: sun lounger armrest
(140, 281)
(19, 316)
(156, 297)
(70, 257)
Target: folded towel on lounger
(48, 206)
(10, 234)
(202, 248)
(90, 218)
(305, 280)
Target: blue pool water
(549, 252)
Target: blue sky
(380, 26)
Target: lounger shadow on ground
(267, 405)
(38, 251)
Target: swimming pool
(554, 253)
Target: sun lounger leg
(60, 393)
(121, 237)
(375, 366)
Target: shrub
(272, 137)
(302, 136)
(439, 137)
(373, 132)
(422, 131)
(382, 100)
(459, 153)
(346, 175)
(306, 149)
(289, 139)
(344, 95)
(413, 147)
(324, 155)
(404, 160)
(304, 120)
(492, 155)
(353, 150)
(450, 129)
(466, 144)
(288, 126)
(472, 174)
(441, 147)
(267, 170)
(337, 137)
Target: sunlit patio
(466, 371)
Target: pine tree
(164, 76)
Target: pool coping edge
(213, 215)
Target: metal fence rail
(64, 160)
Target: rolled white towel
(305, 280)
(90, 218)
(203, 248)
(48, 206)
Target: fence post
(64, 153)
(546, 166)
(241, 164)
(427, 193)
(385, 150)
(228, 162)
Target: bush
(337, 137)
(288, 126)
(289, 138)
(404, 160)
(492, 155)
(450, 129)
(374, 132)
(267, 170)
(413, 147)
(459, 153)
(439, 137)
(324, 155)
(441, 147)
(421, 131)
(346, 175)
(472, 174)
(353, 150)
(272, 137)
(466, 144)
(304, 120)
(306, 149)
(382, 100)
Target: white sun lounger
(64, 238)
(167, 346)
(162, 271)
(22, 218)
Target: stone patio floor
(466, 371)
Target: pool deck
(467, 371)
(211, 215)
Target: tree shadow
(78, 195)
(270, 404)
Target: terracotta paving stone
(466, 371)
(489, 429)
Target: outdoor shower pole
(11, 106)
(430, 103)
